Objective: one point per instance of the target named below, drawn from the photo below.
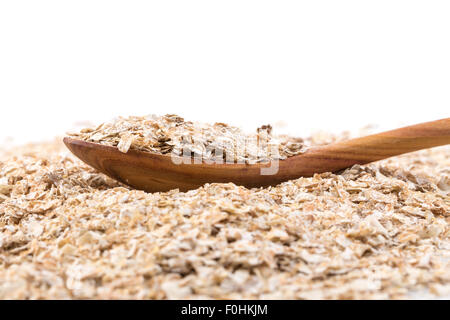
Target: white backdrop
(330, 65)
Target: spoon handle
(390, 143)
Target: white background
(330, 65)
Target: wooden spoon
(154, 172)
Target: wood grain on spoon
(155, 172)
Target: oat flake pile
(172, 134)
(375, 231)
